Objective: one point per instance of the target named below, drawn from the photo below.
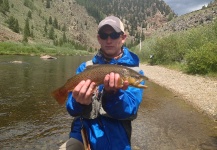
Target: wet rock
(47, 57)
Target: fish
(96, 73)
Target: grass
(9, 48)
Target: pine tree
(25, 38)
(13, 24)
(55, 23)
(26, 3)
(4, 6)
(64, 27)
(64, 37)
(45, 29)
(29, 14)
(48, 4)
(50, 20)
(143, 36)
(51, 33)
(16, 27)
(27, 29)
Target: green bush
(202, 60)
(195, 49)
(168, 50)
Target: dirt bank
(199, 91)
(8, 35)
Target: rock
(47, 57)
(16, 62)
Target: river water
(31, 119)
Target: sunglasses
(113, 35)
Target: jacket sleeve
(74, 108)
(123, 104)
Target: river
(31, 119)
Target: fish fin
(92, 66)
(120, 83)
(60, 95)
(141, 86)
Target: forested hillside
(140, 17)
(188, 42)
(75, 22)
(53, 22)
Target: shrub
(202, 60)
(168, 50)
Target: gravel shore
(198, 91)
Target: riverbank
(201, 92)
(11, 48)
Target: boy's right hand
(83, 92)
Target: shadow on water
(31, 119)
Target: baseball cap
(114, 22)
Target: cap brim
(113, 26)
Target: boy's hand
(83, 92)
(113, 82)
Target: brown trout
(97, 73)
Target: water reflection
(28, 112)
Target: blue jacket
(110, 130)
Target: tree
(55, 23)
(4, 6)
(26, 3)
(64, 27)
(29, 14)
(26, 30)
(16, 27)
(51, 33)
(64, 37)
(48, 4)
(170, 17)
(50, 20)
(13, 24)
(25, 38)
(45, 29)
(143, 36)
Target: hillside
(77, 21)
(202, 17)
(67, 13)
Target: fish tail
(60, 95)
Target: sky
(181, 7)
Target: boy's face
(111, 45)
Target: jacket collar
(128, 59)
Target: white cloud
(181, 7)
